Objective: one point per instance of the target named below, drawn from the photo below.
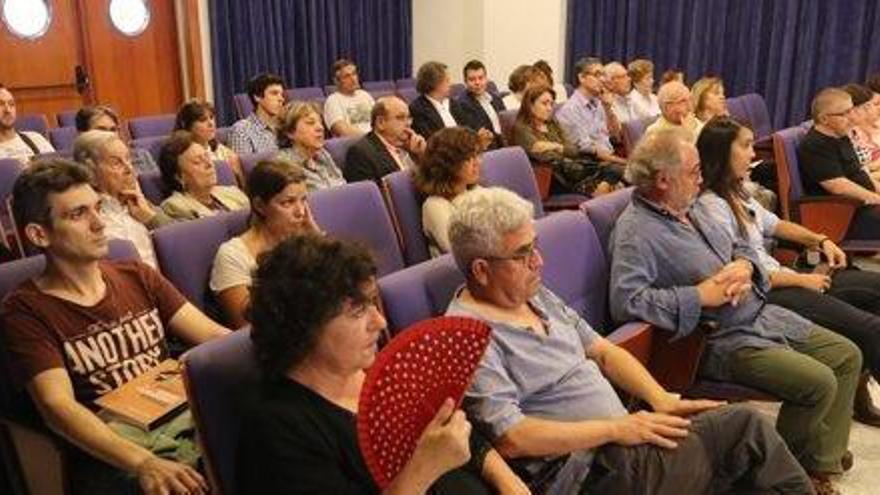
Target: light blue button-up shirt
(584, 121)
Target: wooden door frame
(192, 49)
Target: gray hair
(89, 147)
(613, 68)
(480, 219)
(657, 152)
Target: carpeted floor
(864, 442)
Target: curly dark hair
(446, 153)
(174, 146)
(298, 287)
(194, 111)
(257, 85)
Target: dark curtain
(783, 49)
(300, 40)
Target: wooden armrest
(674, 364)
(829, 215)
(40, 458)
(543, 177)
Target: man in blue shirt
(543, 390)
(676, 268)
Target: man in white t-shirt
(347, 111)
(20, 145)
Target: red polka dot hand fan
(404, 388)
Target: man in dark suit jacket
(432, 83)
(480, 107)
(388, 147)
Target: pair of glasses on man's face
(523, 254)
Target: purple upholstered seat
(66, 118)
(154, 188)
(457, 90)
(405, 203)
(510, 168)
(243, 105)
(419, 292)
(338, 148)
(250, 160)
(604, 210)
(406, 82)
(633, 130)
(408, 94)
(308, 93)
(153, 144)
(752, 111)
(370, 86)
(221, 377)
(356, 212)
(62, 138)
(223, 134)
(153, 125)
(186, 251)
(35, 122)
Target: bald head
(675, 101)
(390, 119)
(827, 101)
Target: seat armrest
(543, 178)
(673, 364)
(40, 458)
(829, 215)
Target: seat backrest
(407, 93)
(371, 86)
(223, 134)
(338, 148)
(250, 160)
(405, 203)
(633, 130)
(575, 266)
(510, 168)
(406, 82)
(62, 138)
(243, 105)
(492, 87)
(35, 122)
(186, 251)
(457, 90)
(380, 93)
(419, 291)
(66, 118)
(10, 169)
(604, 210)
(329, 89)
(507, 119)
(356, 212)
(152, 186)
(788, 172)
(757, 116)
(225, 175)
(307, 93)
(153, 144)
(221, 378)
(152, 125)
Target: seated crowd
(688, 254)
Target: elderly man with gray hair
(676, 268)
(543, 391)
(126, 212)
(675, 111)
(619, 85)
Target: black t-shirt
(294, 441)
(824, 158)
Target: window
(130, 17)
(28, 19)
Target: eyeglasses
(523, 254)
(118, 163)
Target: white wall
(501, 33)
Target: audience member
(644, 101)
(480, 107)
(257, 132)
(674, 74)
(450, 167)
(587, 117)
(198, 118)
(543, 74)
(673, 266)
(433, 110)
(189, 172)
(829, 163)
(103, 118)
(538, 132)
(844, 300)
(862, 134)
(873, 82)
(316, 322)
(708, 100)
(388, 147)
(618, 84)
(84, 327)
(347, 110)
(517, 83)
(542, 391)
(126, 213)
(675, 111)
(18, 145)
(279, 209)
(301, 135)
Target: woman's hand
(814, 281)
(445, 443)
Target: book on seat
(147, 400)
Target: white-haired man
(675, 267)
(543, 390)
(675, 111)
